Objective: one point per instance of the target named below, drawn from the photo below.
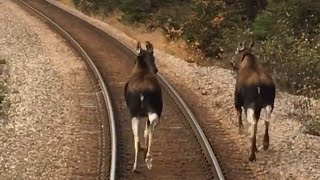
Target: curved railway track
(181, 150)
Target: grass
(67, 2)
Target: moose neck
(140, 66)
(249, 61)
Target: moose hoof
(252, 157)
(265, 146)
(148, 161)
(134, 169)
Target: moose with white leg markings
(143, 97)
(255, 90)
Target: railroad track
(181, 150)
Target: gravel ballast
(46, 133)
(292, 154)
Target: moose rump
(143, 96)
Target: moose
(254, 90)
(143, 97)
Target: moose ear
(149, 47)
(251, 44)
(138, 47)
(240, 46)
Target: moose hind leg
(146, 133)
(266, 132)
(238, 103)
(135, 126)
(239, 116)
(153, 118)
(253, 131)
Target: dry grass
(138, 31)
(67, 2)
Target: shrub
(303, 16)
(291, 50)
(263, 26)
(203, 28)
(288, 32)
(135, 10)
(96, 6)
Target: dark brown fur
(142, 79)
(140, 82)
(252, 73)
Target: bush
(288, 32)
(172, 19)
(290, 47)
(263, 26)
(96, 6)
(304, 16)
(135, 10)
(203, 27)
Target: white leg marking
(153, 119)
(141, 97)
(243, 115)
(252, 120)
(135, 126)
(146, 133)
(250, 116)
(253, 130)
(268, 110)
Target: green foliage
(96, 6)
(290, 49)
(304, 16)
(135, 10)
(171, 19)
(295, 65)
(263, 26)
(287, 32)
(132, 10)
(202, 29)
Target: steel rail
(196, 126)
(105, 92)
